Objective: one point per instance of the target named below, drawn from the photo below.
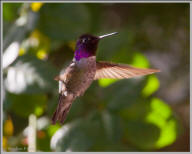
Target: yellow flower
(36, 6)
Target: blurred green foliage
(113, 115)
(10, 11)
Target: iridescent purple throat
(81, 53)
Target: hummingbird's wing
(65, 97)
(119, 71)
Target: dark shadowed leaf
(113, 126)
(122, 93)
(63, 21)
(80, 135)
(25, 104)
(141, 134)
(110, 47)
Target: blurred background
(150, 113)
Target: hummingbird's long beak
(106, 35)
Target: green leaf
(113, 126)
(141, 134)
(151, 86)
(98, 131)
(161, 115)
(38, 111)
(122, 94)
(106, 82)
(52, 129)
(139, 60)
(153, 113)
(79, 135)
(136, 111)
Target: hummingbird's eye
(84, 40)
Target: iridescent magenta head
(87, 45)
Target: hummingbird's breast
(81, 75)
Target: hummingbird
(84, 69)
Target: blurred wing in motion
(120, 71)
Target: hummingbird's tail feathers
(120, 71)
(63, 108)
